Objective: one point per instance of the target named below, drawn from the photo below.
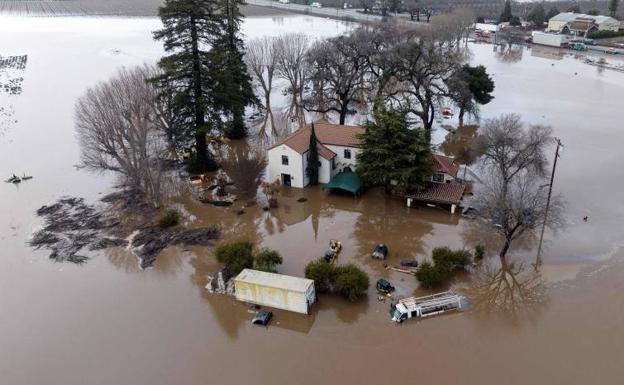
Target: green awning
(347, 181)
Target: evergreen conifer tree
(313, 159)
(189, 26)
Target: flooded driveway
(108, 322)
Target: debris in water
(70, 225)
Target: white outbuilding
(275, 290)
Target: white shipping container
(275, 290)
(550, 39)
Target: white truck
(425, 306)
(275, 290)
(550, 39)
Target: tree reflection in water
(509, 291)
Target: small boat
(26, 177)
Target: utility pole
(538, 260)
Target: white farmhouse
(338, 146)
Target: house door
(286, 179)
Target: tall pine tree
(312, 170)
(233, 88)
(393, 156)
(189, 26)
(506, 15)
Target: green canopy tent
(347, 181)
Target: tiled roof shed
(441, 193)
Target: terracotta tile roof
(338, 134)
(446, 164)
(326, 133)
(446, 193)
(300, 142)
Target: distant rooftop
(570, 16)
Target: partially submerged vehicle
(409, 263)
(380, 251)
(384, 286)
(426, 306)
(262, 318)
(334, 249)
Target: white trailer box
(275, 290)
(550, 39)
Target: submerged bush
(235, 255)
(267, 260)
(321, 273)
(169, 218)
(445, 263)
(238, 255)
(349, 280)
(454, 258)
(429, 276)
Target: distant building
(580, 24)
(338, 146)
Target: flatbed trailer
(425, 306)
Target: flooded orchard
(107, 321)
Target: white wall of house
(295, 167)
(340, 160)
(325, 171)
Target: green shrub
(429, 275)
(169, 218)
(479, 252)
(235, 255)
(350, 281)
(455, 258)
(321, 273)
(267, 260)
(604, 34)
(445, 262)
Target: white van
(316, 4)
(284, 1)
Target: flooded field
(109, 322)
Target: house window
(347, 154)
(438, 177)
(333, 164)
(285, 160)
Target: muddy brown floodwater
(109, 322)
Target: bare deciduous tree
(337, 72)
(425, 63)
(261, 58)
(291, 52)
(517, 207)
(512, 151)
(513, 194)
(120, 128)
(246, 171)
